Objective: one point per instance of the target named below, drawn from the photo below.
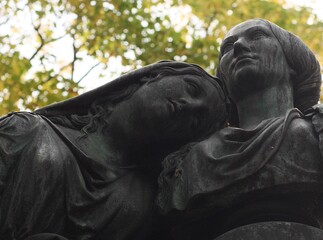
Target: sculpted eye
(193, 88)
(258, 34)
(226, 48)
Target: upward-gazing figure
(270, 152)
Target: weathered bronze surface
(169, 152)
(267, 165)
(87, 168)
(273, 230)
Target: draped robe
(206, 183)
(49, 185)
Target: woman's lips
(240, 59)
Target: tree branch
(5, 21)
(74, 59)
(42, 41)
(94, 66)
(57, 74)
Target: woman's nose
(240, 46)
(191, 104)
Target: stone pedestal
(273, 231)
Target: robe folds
(282, 153)
(50, 189)
(237, 177)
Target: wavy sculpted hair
(306, 76)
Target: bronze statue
(266, 166)
(87, 168)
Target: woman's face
(173, 107)
(252, 59)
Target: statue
(87, 168)
(267, 165)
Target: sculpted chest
(283, 180)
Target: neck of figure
(114, 149)
(269, 103)
(94, 144)
(123, 151)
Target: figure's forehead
(244, 26)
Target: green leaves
(40, 57)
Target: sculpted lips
(241, 59)
(174, 105)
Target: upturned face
(171, 108)
(252, 59)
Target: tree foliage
(136, 31)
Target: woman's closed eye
(193, 87)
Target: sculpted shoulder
(301, 128)
(301, 147)
(22, 121)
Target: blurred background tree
(49, 47)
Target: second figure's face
(173, 107)
(252, 59)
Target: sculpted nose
(191, 104)
(241, 46)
